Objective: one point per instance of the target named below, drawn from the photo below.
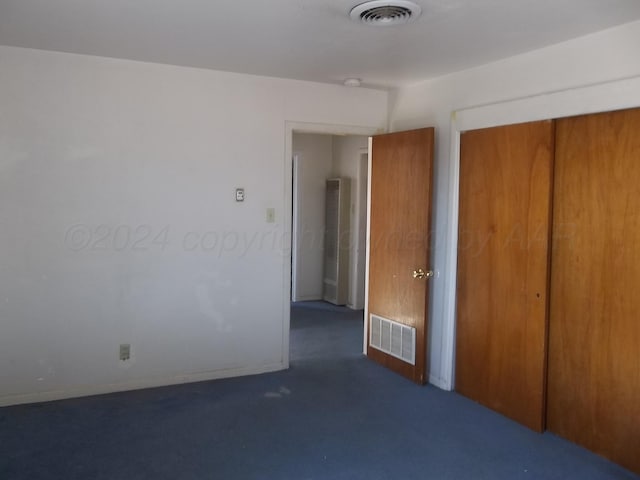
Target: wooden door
(400, 219)
(594, 337)
(503, 258)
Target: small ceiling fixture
(352, 82)
(385, 13)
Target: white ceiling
(306, 39)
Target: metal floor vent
(393, 338)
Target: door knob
(420, 273)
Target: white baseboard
(308, 298)
(88, 390)
(439, 382)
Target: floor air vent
(393, 338)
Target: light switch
(271, 215)
(239, 194)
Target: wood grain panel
(401, 177)
(503, 256)
(594, 343)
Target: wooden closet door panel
(503, 256)
(594, 343)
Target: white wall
(594, 73)
(119, 225)
(347, 152)
(313, 156)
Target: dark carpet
(333, 415)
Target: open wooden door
(400, 219)
(503, 268)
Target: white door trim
(295, 172)
(358, 240)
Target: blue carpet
(333, 415)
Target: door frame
(359, 260)
(294, 222)
(595, 98)
(303, 127)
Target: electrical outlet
(271, 215)
(125, 351)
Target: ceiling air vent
(385, 13)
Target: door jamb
(357, 300)
(295, 172)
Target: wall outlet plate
(239, 194)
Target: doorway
(316, 158)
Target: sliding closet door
(505, 202)
(594, 343)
